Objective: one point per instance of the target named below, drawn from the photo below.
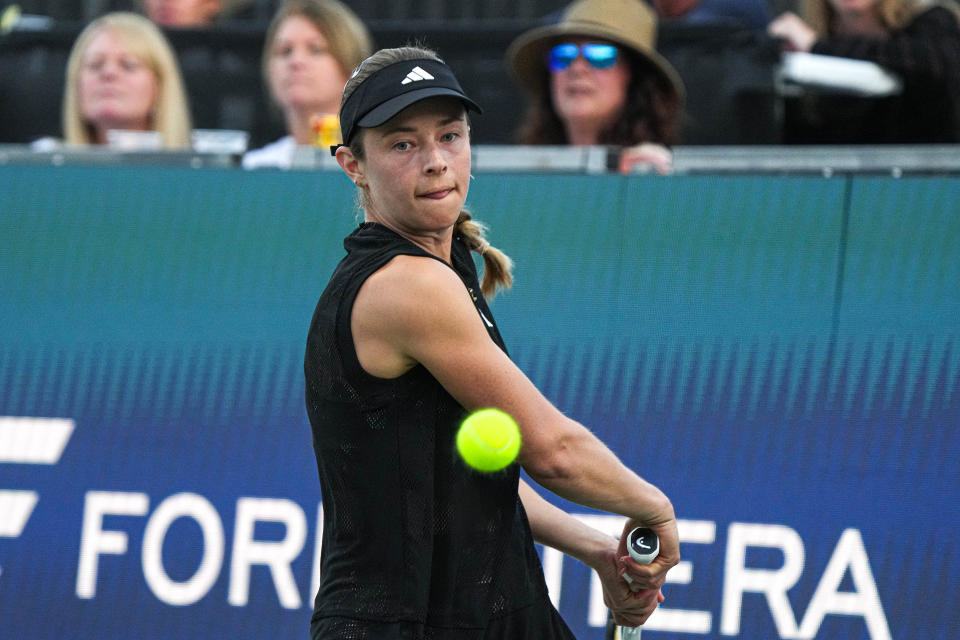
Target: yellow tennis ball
(488, 440)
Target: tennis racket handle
(643, 545)
(629, 633)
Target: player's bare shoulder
(411, 280)
(406, 294)
(401, 305)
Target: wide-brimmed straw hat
(627, 23)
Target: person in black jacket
(920, 43)
(401, 348)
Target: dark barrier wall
(780, 354)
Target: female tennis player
(401, 348)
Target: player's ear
(351, 165)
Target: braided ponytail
(497, 266)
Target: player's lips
(438, 194)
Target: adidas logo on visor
(416, 75)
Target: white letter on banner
(685, 620)
(317, 549)
(276, 555)
(33, 440)
(774, 584)
(182, 505)
(865, 601)
(15, 510)
(94, 540)
(552, 561)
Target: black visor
(390, 90)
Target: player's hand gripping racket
(643, 545)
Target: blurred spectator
(595, 78)
(191, 13)
(167, 13)
(312, 47)
(750, 14)
(55, 10)
(123, 75)
(920, 43)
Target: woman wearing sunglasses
(595, 78)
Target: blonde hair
(497, 266)
(894, 14)
(170, 115)
(346, 35)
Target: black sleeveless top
(411, 535)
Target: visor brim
(383, 112)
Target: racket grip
(629, 633)
(643, 545)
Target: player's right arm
(417, 310)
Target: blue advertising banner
(779, 354)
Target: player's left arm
(417, 310)
(553, 527)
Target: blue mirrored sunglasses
(600, 56)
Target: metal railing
(891, 160)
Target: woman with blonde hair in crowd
(596, 78)
(917, 40)
(123, 75)
(311, 48)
